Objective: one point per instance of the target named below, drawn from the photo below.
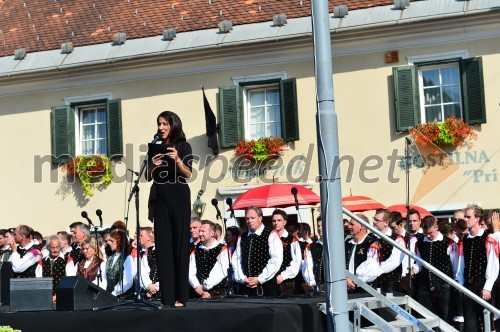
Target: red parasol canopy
(401, 208)
(275, 195)
(360, 203)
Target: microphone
(294, 192)
(133, 172)
(408, 140)
(156, 138)
(214, 203)
(86, 216)
(99, 214)
(229, 201)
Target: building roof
(44, 25)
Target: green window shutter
(62, 124)
(230, 111)
(114, 128)
(406, 98)
(289, 111)
(473, 90)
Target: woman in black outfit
(170, 200)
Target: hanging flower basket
(452, 132)
(260, 150)
(91, 170)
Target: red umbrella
(401, 208)
(275, 195)
(360, 203)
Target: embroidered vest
(360, 254)
(287, 252)
(255, 252)
(205, 261)
(76, 253)
(436, 254)
(114, 272)
(385, 253)
(5, 254)
(30, 271)
(89, 273)
(474, 251)
(54, 268)
(318, 264)
(153, 268)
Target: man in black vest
(391, 258)
(442, 253)
(361, 254)
(79, 233)
(53, 266)
(302, 281)
(25, 255)
(208, 264)
(415, 226)
(478, 268)
(315, 258)
(291, 254)
(194, 231)
(5, 249)
(258, 257)
(149, 270)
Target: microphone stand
(138, 298)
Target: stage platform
(300, 313)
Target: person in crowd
(170, 207)
(456, 314)
(347, 233)
(106, 249)
(478, 267)
(79, 233)
(457, 214)
(25, 254)
(65, 240)
(118, 275)
(208, 264)
(391, 267)
(361, 254)
(194, 230)
(149, 269)
(316, 259)
(444, 228)
(5, 249)
(415, 224)
(53, 266)
(218, 233)
(304, 234)
(494, 245)
(292, 228)
(232, 234)
(92, 267)
(441, 252)
(292, 257)
(258, 257)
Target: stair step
(374, 303)
(405, 324)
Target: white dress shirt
(29, 259)
(293, 269)
(368, 270)
(128, 275)
(396, 257)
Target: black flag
(211, 124)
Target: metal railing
(429, 267)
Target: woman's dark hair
(176, 133)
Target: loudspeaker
(5, 275)
(77, 293)
(31, 294)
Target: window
(258, 109)
(429, 92)
(92, 130)
(263, 113)
(91, 127)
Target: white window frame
(79, 124)
(246, 102)
(422, 94)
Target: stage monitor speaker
(5, 275)
(31, 294)
(77, 293)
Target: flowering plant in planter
(453, 131)
(259, 150)
(90, 169)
